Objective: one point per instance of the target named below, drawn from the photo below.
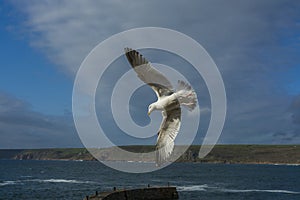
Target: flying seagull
(168, 102)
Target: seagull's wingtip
(127, 49)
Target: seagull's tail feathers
(163, 153)
(186, 95)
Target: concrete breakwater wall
(150, 193)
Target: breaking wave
(58, 181)
(254, 190)
(193, 188)
(4, 183)
(207, 188)
(9, 183)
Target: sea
(29, 179)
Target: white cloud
(242, 37)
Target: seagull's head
(151, 108)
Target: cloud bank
(254, 44)
(21, 127)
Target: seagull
(168, 102)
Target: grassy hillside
(252, 154)
(54, 154)
(219, 154)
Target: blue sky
(255, 44)
(27, 74)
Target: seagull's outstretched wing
(168, 131)
(148, 74)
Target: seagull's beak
(149, 113)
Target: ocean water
(26, 179)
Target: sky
(255, 44)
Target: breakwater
(149, 193)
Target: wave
(26, 176)
(4, 183)
(205, 187)
(283, 164)
(193, 188)
(133, 161)
(7, 183)
(60, 181)
(255, 190)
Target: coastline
(221, 154)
